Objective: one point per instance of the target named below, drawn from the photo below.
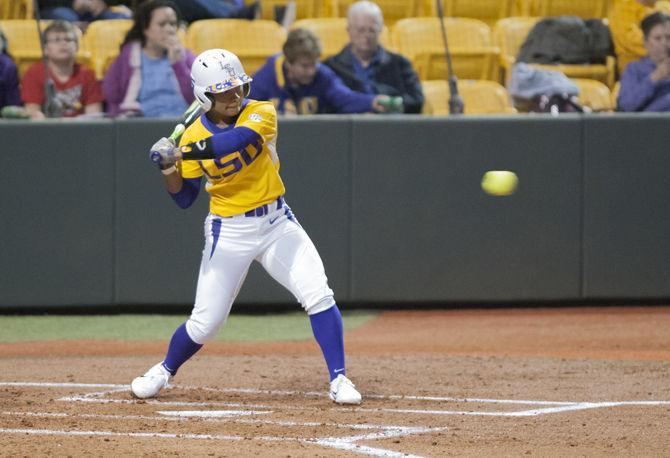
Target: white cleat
(148, 385)
(343, 391)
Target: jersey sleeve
(262, 119)
(189, 169)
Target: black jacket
(393, 75)
(567, 40)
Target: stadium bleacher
(484, 38)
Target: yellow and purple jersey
(244, 179)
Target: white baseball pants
(272, 237)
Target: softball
(499, 182)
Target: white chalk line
(347, 444)
(340, 443)
(116, 388)
(562, 406)
(90, 397)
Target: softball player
(233, 146)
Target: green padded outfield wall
(392, 203)
(627, 207)
(56, 213)
(424, 230)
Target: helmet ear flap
(203, 98)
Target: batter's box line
(557, 406)
(349, 443)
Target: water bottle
(13, 112)
(392, 104)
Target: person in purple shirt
(151, 77)
(645, 84)
(297, 83)
(9, 77)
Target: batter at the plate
(233, 146)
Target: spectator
(365, 66)
(645, 84)
(624, 21)
(9, 77)
(58, 9)
(151, 75)
(195, 10)
(76, 90)
(82, 10)
(297, 83)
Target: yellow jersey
(245, 179)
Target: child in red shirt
(76, 90)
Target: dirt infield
(549, 382)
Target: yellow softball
(500, 182)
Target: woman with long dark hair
(151, 75)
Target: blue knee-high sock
(327, 329)
(180, 350)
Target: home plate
(212, 413)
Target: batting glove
(164, 153)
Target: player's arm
(184, 191)
(220, 144)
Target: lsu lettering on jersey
(245, 179)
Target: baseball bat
(190, 115)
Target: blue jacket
(326, 94)
(639, 93)
(9, 82)
(391, 74)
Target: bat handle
(177, 132)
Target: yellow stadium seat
(472, 51)
(304, 8)
(332, 32)
(594, 94)
(488, 11)
(510, 33)
(521, 8)
(479, 97)
(17, 9)
(23, 42)
(252, 41)
(102, 40)
(393, 10)
(583, 8)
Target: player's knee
(320, 305)
(200, 332)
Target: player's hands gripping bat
(164, 152)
